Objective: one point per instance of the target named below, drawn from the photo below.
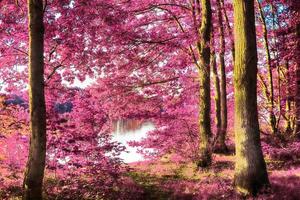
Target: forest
(149, 99)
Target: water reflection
(131, 130)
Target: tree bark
(34, 173)
(229, 29)
(221, 139)
(288, 103)
(204, 81)
(217, 92)
(250, 168)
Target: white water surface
(136, 135)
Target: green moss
(150, 185)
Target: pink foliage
(139, 58)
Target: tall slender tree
(204, 80)
(217, 90)
(34, 173)
(228, 28)
(223, 90)
(269, 90)
(250, 168)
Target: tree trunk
(297, 97)
(229, 29)
(204, 80)
(250, 168)
(217, 93)
(270, 96)
(34, 173)
(221, 139)
(288, 103)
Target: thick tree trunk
(221, 139)
(204, 80)
(250, 168)
(34, 174)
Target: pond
(126, 131)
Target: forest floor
(163, 179)
(166, 179)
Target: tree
(204, 80)
(223, 90)
(216, 93)
(295, 8)
(34, 174)
(250, 168)
(269, 91)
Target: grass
(163, 179)
(166, 180)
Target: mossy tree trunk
(221, 139)
(250, 168)
(288, 103)
(204, 81)
(217, 92)
(228, 28)
(34, 173)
